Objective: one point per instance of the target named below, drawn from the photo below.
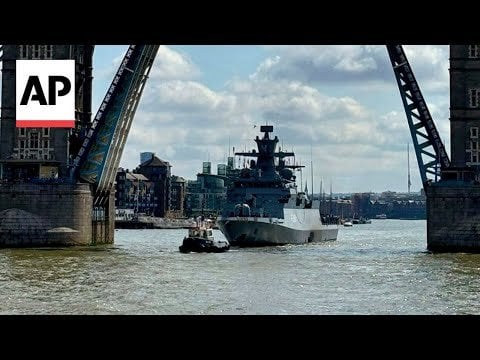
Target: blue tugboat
(264, 206)
(200, 239)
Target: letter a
(33, 82)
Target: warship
(264, 206)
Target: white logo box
(43, 85)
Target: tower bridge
(452, 186)
(56, 185)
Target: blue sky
(340, 100)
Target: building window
(473, 51)
(22, 131)
(34, 140)
(474, 132)
(46, 131)
(46, 144)
(22, 144)
(473, 97)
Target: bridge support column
(103, 230)
(453, 217)
(45, 215)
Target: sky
(337, 107)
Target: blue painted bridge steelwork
(99, 156)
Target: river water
(378, 268)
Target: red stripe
(45, 123)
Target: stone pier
(453, 217)
(52, 215)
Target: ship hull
(262, 232)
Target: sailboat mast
(331, 197)
(311, 168)
(408, 165)
(301, 176)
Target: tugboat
(200, 239)
(264, 206)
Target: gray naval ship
(264, 207)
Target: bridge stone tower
(32, 153)
(453, 204)
(38, 205)
(465, 106)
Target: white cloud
(357, 146)
(350, 63)
(171, 65)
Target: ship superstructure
(264, 206)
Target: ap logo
(45, 93)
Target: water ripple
(378, 268)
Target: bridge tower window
(24, 51)
(474, 97)
(36, 53)
(48, 51)
(474, 132)
(474, 51)
(473, 150)
(34, 140)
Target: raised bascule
(452, 186)
(56, 185)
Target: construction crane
(99, 156)
(431, 155)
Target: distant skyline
(340, 100)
